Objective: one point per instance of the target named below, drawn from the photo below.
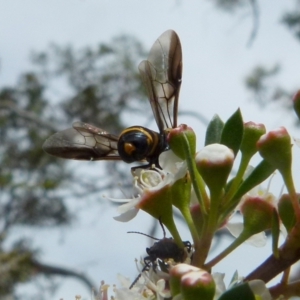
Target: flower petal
(168, 160)
(128, 206)
(220, 285)
(235, 228)
(259, 288)
(257, 240)
(125, 281)
(127, 216)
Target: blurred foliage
(231, 5)
(292, 21)
(16, 267)
(261, 81)
(95, 85)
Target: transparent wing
(297, 142)
(161, 74)
(83, 142)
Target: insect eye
(134, 144)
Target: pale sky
(216, 60)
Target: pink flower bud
(257, 214)
(198, 285)
(214, 163)
(176, 274)
(252, 133)
(275, 148)
(182, 141)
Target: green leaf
(235, 278)
(240, 292)
(232, 133)
(262, 171)
(214, 131)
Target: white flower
(257, 287)
(149, 286)
(260, 290)
(149, 181)
(102, 293)
(126, 294)
(220, 285)
(257, 240)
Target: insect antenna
(163, 229)
(144, 234)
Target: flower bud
(252, 133)
(182, 141)
(286, 212)
(275, 147)
(257, 214)
(175, 276)
(198, 285)
(214, 163)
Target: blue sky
(216, 60)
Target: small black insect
(165, 248)
(161, 75)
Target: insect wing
(161, 74)
(83, 142)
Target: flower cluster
(202, 188)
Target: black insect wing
(83, 142)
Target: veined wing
(83, 142)
(161, 74)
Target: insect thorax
(138, 143)
(165, 248)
